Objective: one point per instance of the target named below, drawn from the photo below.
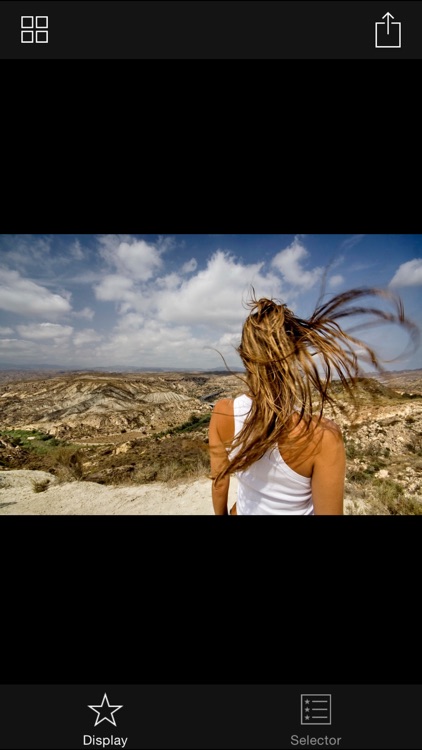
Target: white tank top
(269, 486)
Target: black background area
(119, 600)
(210, 600)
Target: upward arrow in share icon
(387, 33)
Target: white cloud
(25, 297)
(76, 251)
(136, 258)
(156, 343)
(44, 331)
(336, 281)
(140, 259)
(86, 336)
(87, 277)
(166, 243)
(25, 250)
(156, 309)
(166, 323)
(114, 287)
(351, 241)
(408, 274)
(171, 281)
(214, 295)
(131, 321)
(189, 266)
(85, 313)
(10, 345)
(52, 351)
(288, 263)
(228, 341)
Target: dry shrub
(40, 485)
(389, 499)
(67, 464)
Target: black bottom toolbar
(211, 716)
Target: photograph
(210, 374)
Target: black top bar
(214, 30)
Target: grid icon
(40, 23)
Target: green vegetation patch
(44, 452)
(34, 440)
(195, 422)
(177, 457)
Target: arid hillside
(111, 428)
(85, 405)
(137, 428)
(384, 446)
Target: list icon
(315, 708)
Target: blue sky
(168, 301)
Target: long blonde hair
(290, 363)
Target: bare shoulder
(320, 429)
(326, 437)
(222, 420)
(329, 439)
(223, 407)
(330, 429)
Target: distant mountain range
(60, 368)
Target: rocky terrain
(111, 428)
(84, 405)
(383, 439)
(27, 492)
(142, 428)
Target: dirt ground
(17, 497)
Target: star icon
(105, 709)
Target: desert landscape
(100, 442)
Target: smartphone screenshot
(151, 316)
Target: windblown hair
(290, 363)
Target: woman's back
(287, 456)
(269, 486)
(306, 477)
